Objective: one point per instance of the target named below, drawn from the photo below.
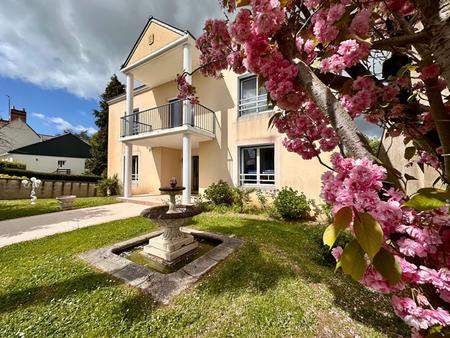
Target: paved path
(32, 227)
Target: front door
(175, 113)
(195, 174)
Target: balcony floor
(170, 138)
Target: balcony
(164, 125)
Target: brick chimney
(17, 114)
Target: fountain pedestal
(172, 243)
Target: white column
(127, 170)
(128, 147)
(187, 67)
(187, 165)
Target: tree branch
(389, 44)
(330, 105)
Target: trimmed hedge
(50, 176)
(12, 165)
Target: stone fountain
(172, 244)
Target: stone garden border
(162, 287)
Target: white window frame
(259, 183)
(63, 163)
(258, 102)
(135, 176)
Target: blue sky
(60, 108)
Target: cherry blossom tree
(325, 63)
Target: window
(61, 164)
(135, 168)
(252, 98)
(257, 165)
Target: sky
(56, 56)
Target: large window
(135, 168)
(257, 165)
(252, 98)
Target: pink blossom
(430, 72)
(337, 252)
(361, 23)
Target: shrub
(109, 186)
(219, 193)
(12, 165)
(49, 176)
(12, 177)
(291, 205)
(241, 197)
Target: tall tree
(99, 142)
(320, 63)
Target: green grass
(20, 208)
(275, 285)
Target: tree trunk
(331, 106)
(436, 20)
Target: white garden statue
(34, 183)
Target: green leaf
(368, 233)
(341, 222)
(240, 3)
(386, 264)
(352, 260)
(410, 152)
(428, 199)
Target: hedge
(12, 165)
(50, 176)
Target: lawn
(276, 285)
(19, 208)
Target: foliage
(374, 143)
(320, 64)
(99, 142)
(219, 193)
(109, 186)
(49, 176)
(291, 205)
(272, 285)
(241, 197)
(262, 198)
(11, 177)
(10, 209)
(12, 165)
(83, 135)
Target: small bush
(291, 205)
(49, 176)
(219, 193)
(12, 165)
(241, 197)
(12, 177)
(262, 198)
(109, 186)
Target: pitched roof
(67, 145)
(147, 25)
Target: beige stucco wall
(161, 37)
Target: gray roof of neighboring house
(67, 145)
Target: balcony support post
(187, 159)
(128, 131)
(187, 67)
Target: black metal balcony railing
(168, 116)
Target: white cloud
(61, 124)
(78, 44)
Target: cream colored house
(153, 136)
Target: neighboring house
(153, 136)
(66, 154)
(15, 132)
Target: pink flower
(361, 23)
(430, 72)
(337, 252)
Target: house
(16, 133)
(65, 154)
(153, 136)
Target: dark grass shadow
(59, 290)
(301, 245)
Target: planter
(66, 202)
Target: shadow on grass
(45, 293)
(298, 244)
